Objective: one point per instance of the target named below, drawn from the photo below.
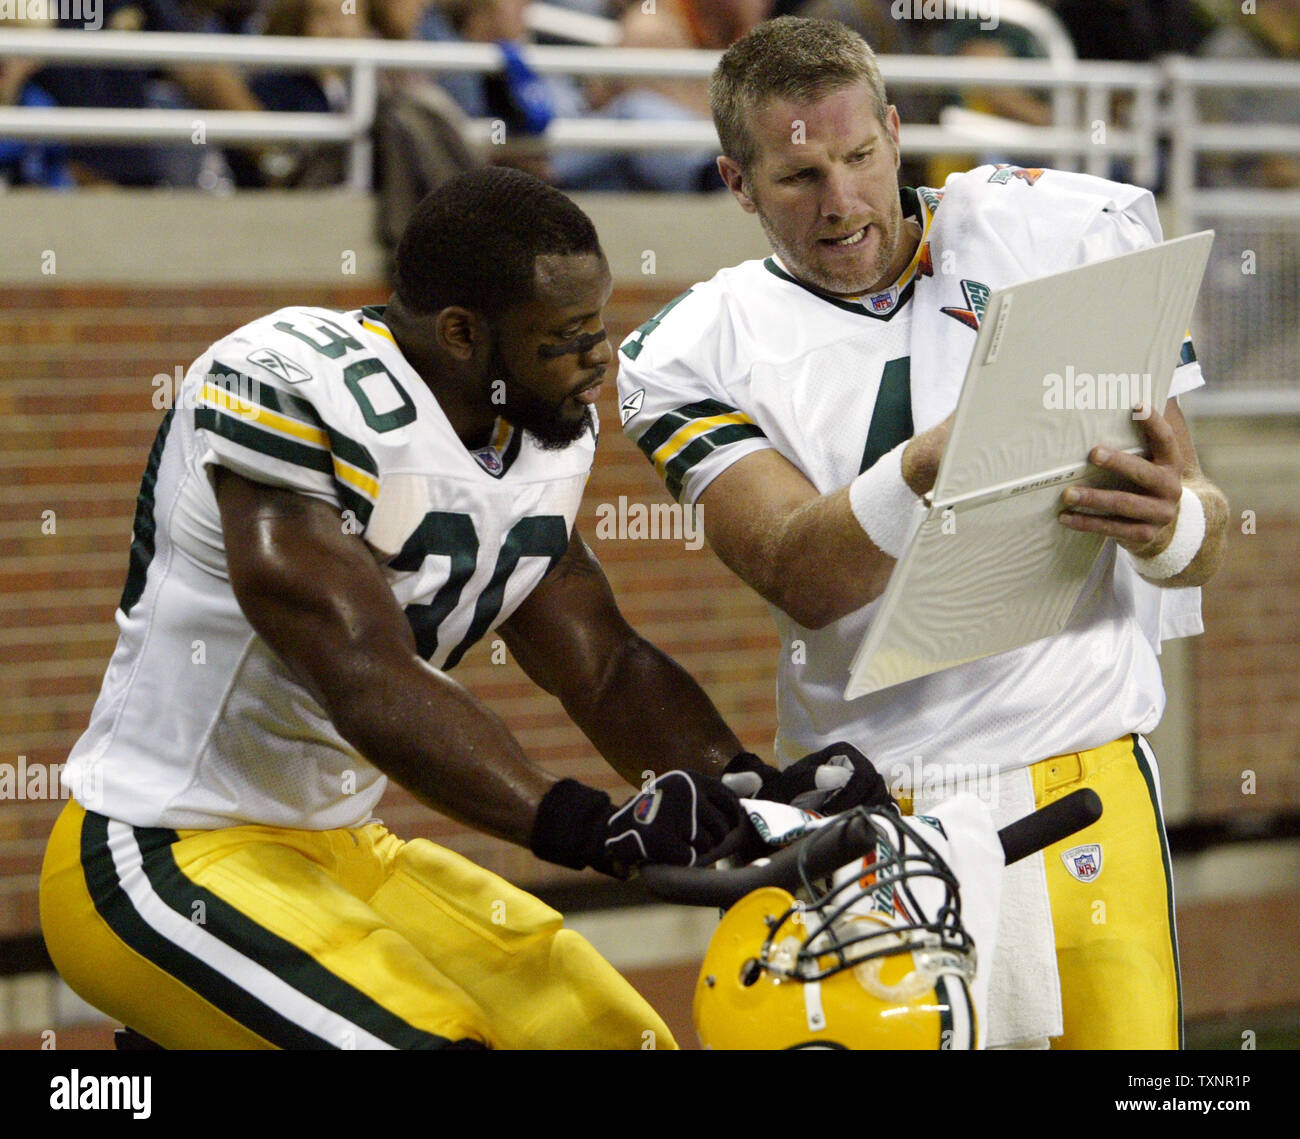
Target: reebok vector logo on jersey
(630, 406)
(278, 365)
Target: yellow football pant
(257, 937)
(1116, 944)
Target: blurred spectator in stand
(968, 39)
(1270, 31)
(700, 24)
(420, 129)
(1133, 31)
(323, 90)
(516, 96)
(23, 162)
(709, 25)
(196, 86)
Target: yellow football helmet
(877, 958)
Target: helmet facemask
(877, 908)
(875, 957)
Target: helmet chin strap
(812, 1006)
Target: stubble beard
(877, 276)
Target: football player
(781, 396)
(338, 506)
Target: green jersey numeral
(452, 535)
(399, 416)
(337, 341)
(632, 349)
(891, 420)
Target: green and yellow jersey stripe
(284, 427)
(679, 439)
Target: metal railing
(1080, 92)
(1251, 326)
(1250, 299)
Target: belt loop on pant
(1057, 771)
(1062, 770)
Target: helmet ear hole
(750, 972)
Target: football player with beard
(336, 509)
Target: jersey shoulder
(1043, 216)
(696, 323)
(309, 399)
(337, 370)
(315, 353)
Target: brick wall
(76, 420)
(77, 407)
(1247, 670)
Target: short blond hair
(787, 58)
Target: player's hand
(837, 778)
(1141, 515)
(682, 818)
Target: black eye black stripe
(577, 346)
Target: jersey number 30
(452, 535)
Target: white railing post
(361, 112)
(1146, 123)
(1096, 109)
(1181, 183)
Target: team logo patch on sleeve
(977, 298)
(1005, 173)
(1083, 862)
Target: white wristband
(1189, 534)
(883, 503)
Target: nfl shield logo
(489, 460)
(1083, 862)
(882, 302)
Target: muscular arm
(805, 552)
(216, 87)
(637, 706)
(317, 597)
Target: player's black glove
(837, 778)
(682, 819)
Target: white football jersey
(199, 724)
(753, 359)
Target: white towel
(971, 847)
(1024, 990)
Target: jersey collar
(883, 303)
(499, 455)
